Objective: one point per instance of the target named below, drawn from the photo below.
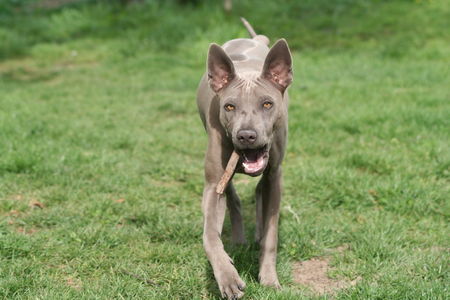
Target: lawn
(101, 148)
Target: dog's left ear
(278, 65)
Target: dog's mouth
(254, 161)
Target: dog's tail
(259, 37)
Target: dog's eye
(229, 107)
(267, 105)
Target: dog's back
(246, 54)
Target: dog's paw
(231, 286)
(269, 279)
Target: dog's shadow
(245, 258)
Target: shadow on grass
(28, 75)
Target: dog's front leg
(270, 186)
(234, 206)
(214, 207)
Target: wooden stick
(229, 171)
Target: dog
(243, 104)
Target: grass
(98, 123)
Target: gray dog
(243, 103)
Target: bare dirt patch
(36, 204)
(26, 231)
(313, 274)
(74, 283)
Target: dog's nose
(246, 137)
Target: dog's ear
(220, 68)
(278, 65)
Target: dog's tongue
(253, 161)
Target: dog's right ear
(220, 68)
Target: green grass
(97, 104)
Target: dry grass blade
(140, 278)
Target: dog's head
(251, 103)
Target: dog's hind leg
(259, 216)
(234, 206)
